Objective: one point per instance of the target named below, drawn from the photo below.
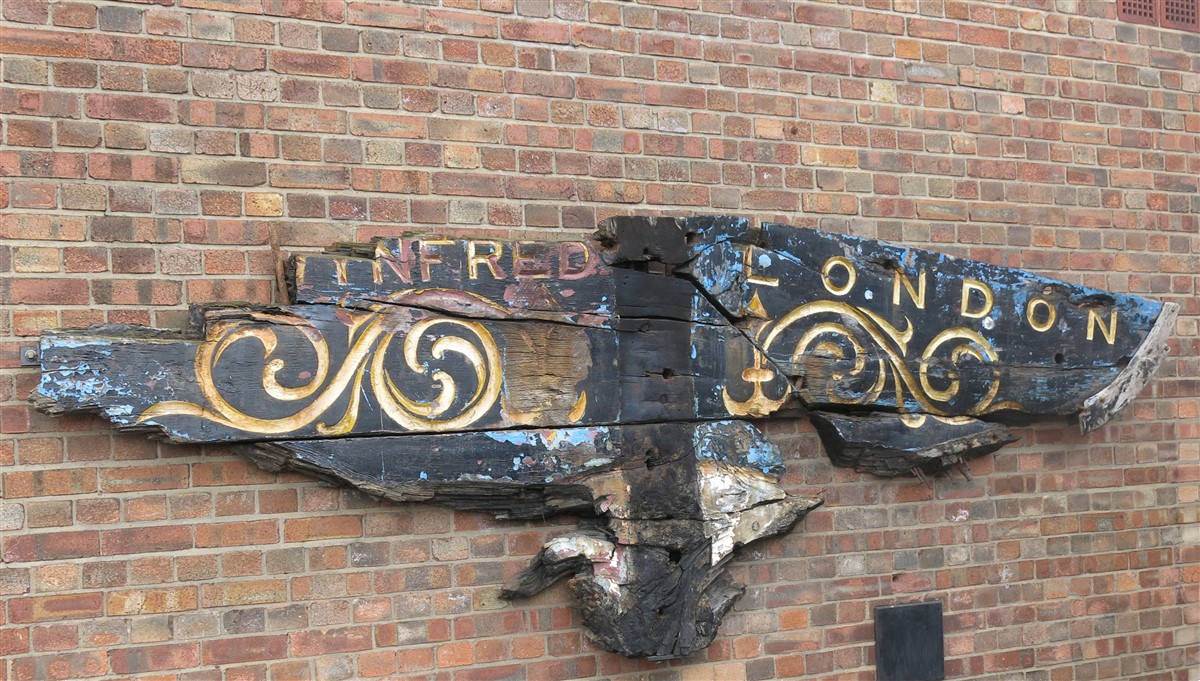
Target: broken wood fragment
(895, 444)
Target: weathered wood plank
(483, 278)
(312, 371)
(870, 324)
(904, 444)
(1099, 408)
(322, 371)
(505, 471)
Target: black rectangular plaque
(909, 642)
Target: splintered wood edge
(1099, 408)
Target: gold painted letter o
(827, 268)
(1030, 314)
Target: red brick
(41, 164)
(14, 641)
(74, 15)
(140, 292)
(152, 601)
(131, 49)
(245, 649)
(243, 592)
(611, 192)
(45, 291)
(930, 28)
(460, 23)
(309, 177)
(55, 607)
(399, 71)
(135, 230)
(767, 199)
(130, 108)
(131, 168)
(51, 546)
(145, 540)
(154, 658)
(41, 43)
(51, 482)
(60, 667)
(331, 641)
(329, 527)
(843, 204)
(240, 533)
(383, 16)
(539, 188)
(310, 64)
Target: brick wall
(169, 152)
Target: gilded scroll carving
(370, 357)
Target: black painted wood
(480, 278)
(614, 378)
(873, 325)
(252, 375)
(914, 444)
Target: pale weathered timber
(1115, 396)
(614, 379)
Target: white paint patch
(852, 565)
(960, 515)
(869, 294)
(989, 323)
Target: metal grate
(1183, 15)
(1133, 10)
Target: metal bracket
(29, 355)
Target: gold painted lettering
(401, 266)
(377, 266)
(916, 294)
(1031, 314)
(748, 267)
(1109, 332)
(968, 286)
(428, 256)
(567, 269)
(526, 263)
(827, 269)
(490, 260)
(339, 269)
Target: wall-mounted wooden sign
(618, 378)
